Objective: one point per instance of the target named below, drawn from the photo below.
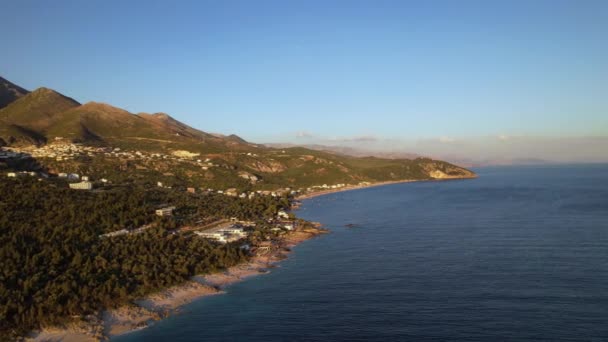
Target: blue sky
(319, 71)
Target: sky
(472, 79)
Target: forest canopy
(54, 265)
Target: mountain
(38, 109)
(25, 120)
(10, 92)
(46, 117)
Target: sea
(517, 254)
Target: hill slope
(45, 116)
(37, 110)
(10, 92)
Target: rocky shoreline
(144, 312)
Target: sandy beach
(371, 185)
(348, 188)
(81, 330)
(146, 311)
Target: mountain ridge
(45, 117)
(9, 92)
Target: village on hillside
(221, 231)
(65, 152)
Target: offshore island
(112, 220)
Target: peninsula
(110, 220)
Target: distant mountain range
(348, 151)
(45, 116)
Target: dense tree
(54, 265)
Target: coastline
(371, 185)
(349, 188)
(145, 312)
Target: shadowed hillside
(9, 92)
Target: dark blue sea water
(519, 254)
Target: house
(11, 174)
(233, 231)
(191, 190)
(282, 214)
(62, 175)
(85, 178)
(159, 184)
(212, 235)
(168, 211)
(82, 186)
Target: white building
(212, 235)
(168, 211)
(82, 186)
(232, 230)
(224, 234)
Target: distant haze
(471, 80)
(475, 151)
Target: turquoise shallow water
(519, 254)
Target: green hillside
(38, 109)
(47, 117)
